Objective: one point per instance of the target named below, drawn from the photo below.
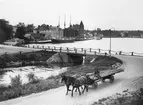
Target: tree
(43, 27)
(6, 29)
(98, 30)
(30, 28)
(2, 36)
(21, 31)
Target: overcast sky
(104, 14)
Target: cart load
(106, 74)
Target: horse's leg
(76, 90)
(86, 88)
(67, 89)
(79, 90)
(79, 87)
(72, 91)
(83, 89)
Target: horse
(82, 81)
(69, 81)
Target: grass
(101, 63)
(125, 98)
(17, 89)
(24, 58)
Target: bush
(3, 88)
(12, 93)
(14, 90)
(16, 81)
(32, 78)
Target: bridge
(83, 51)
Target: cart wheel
(111, 79)
(103, 80)
(95, 84)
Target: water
(117, 44)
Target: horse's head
(63, 78)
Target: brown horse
(82, 81)
(69, 81)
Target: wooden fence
(85, 51)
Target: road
(14, 49)
(133, 70)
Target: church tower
(81, 26)
(81, 29)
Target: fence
(85, 51)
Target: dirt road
(133, 68)
(14, 49)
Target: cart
(106, 74)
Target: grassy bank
(35, 85)
(125, 98)
(24, 58)
(100, 62)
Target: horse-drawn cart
(106, 74)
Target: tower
(65, 22)
(81, 29)
(70, 22)
(81, 26)
(59, 22)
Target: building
(75, 30)
(79, 28)
(141, 35)
(124, 34)
(69, 32)
(56, 32)
(51, 32)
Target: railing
(85, 51)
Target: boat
(62, 40)
(82, 39)
(99, 37)
(40, 42)
(44, 41)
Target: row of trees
(22, 29)
(6, 30)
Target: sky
(104, 14)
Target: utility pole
(110, 31)
(110, 41)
